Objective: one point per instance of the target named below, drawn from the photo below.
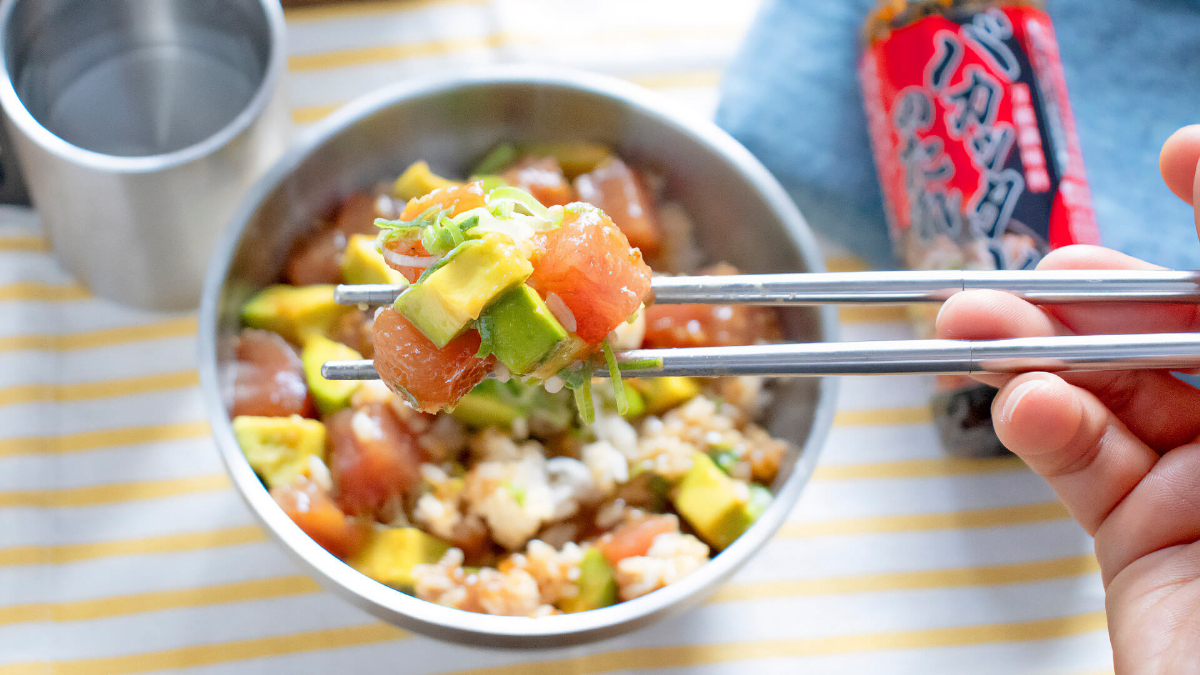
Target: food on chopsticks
(538, 492)
(499, 279)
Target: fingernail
(937, 321)
(1014, 399)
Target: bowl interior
(740, 216)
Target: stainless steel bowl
(741, 214)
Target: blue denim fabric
(791, 96)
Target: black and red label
(975, 142)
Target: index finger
(1115, 318)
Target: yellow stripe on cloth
(157, 601)
(1001, 516)
(84, 391)
(685, 656)
(682, 79)
(273, 587)
(873, 314)
(364, 55)
(886, 417)
(314, 113)
(917, 468)
(24, 242)
(377, 7)
(990, 575)
(211, 654)
(95, 495)
(107, 438)
(118, 605)
(105, 337)
(848, 263)
(58, 554)
(346, 58)
(32, 291)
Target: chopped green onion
(441, 262)
(724, 457)
(453, 229)
(467, 223)
(518, 494)
(583, 395)
(518, 197)
(632, 318)
(398, 229)
(614, 373)
(655, 363)
(498, 159)
(572, 378)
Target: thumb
(1180, 155)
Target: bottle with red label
(977, 154)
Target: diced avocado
(362, 263)
(329, 395)
(708, 500)
(637, 404)
(575, 158)
(567, 352)
(418, 180)
(597, 584)
(522, 329)
(489, 404)
(393, 552)
(295, 312)
(279, 448)
(500, 158)
(664, 393)
(760, 499)
(477, 272)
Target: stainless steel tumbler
(137, 126)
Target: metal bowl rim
(457, 625)
(264, 92)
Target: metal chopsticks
(1048, 287)
(1166, 351)
(1059, 353)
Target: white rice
(561, 312)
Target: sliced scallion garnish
(583, 394)
(641, 364)
(517, 197)
(614, 374)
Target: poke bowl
(509, 514)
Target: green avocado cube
(597, 584)
(522, 329)
(418, 180)
(489, 404)
(295, 312)
(661, 394)
(478, 271)
(709, 501)
(392, 553)
(329, 395)
(279, 448)
(362, 263)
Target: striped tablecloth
(124, 549)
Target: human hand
(1121, 449)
